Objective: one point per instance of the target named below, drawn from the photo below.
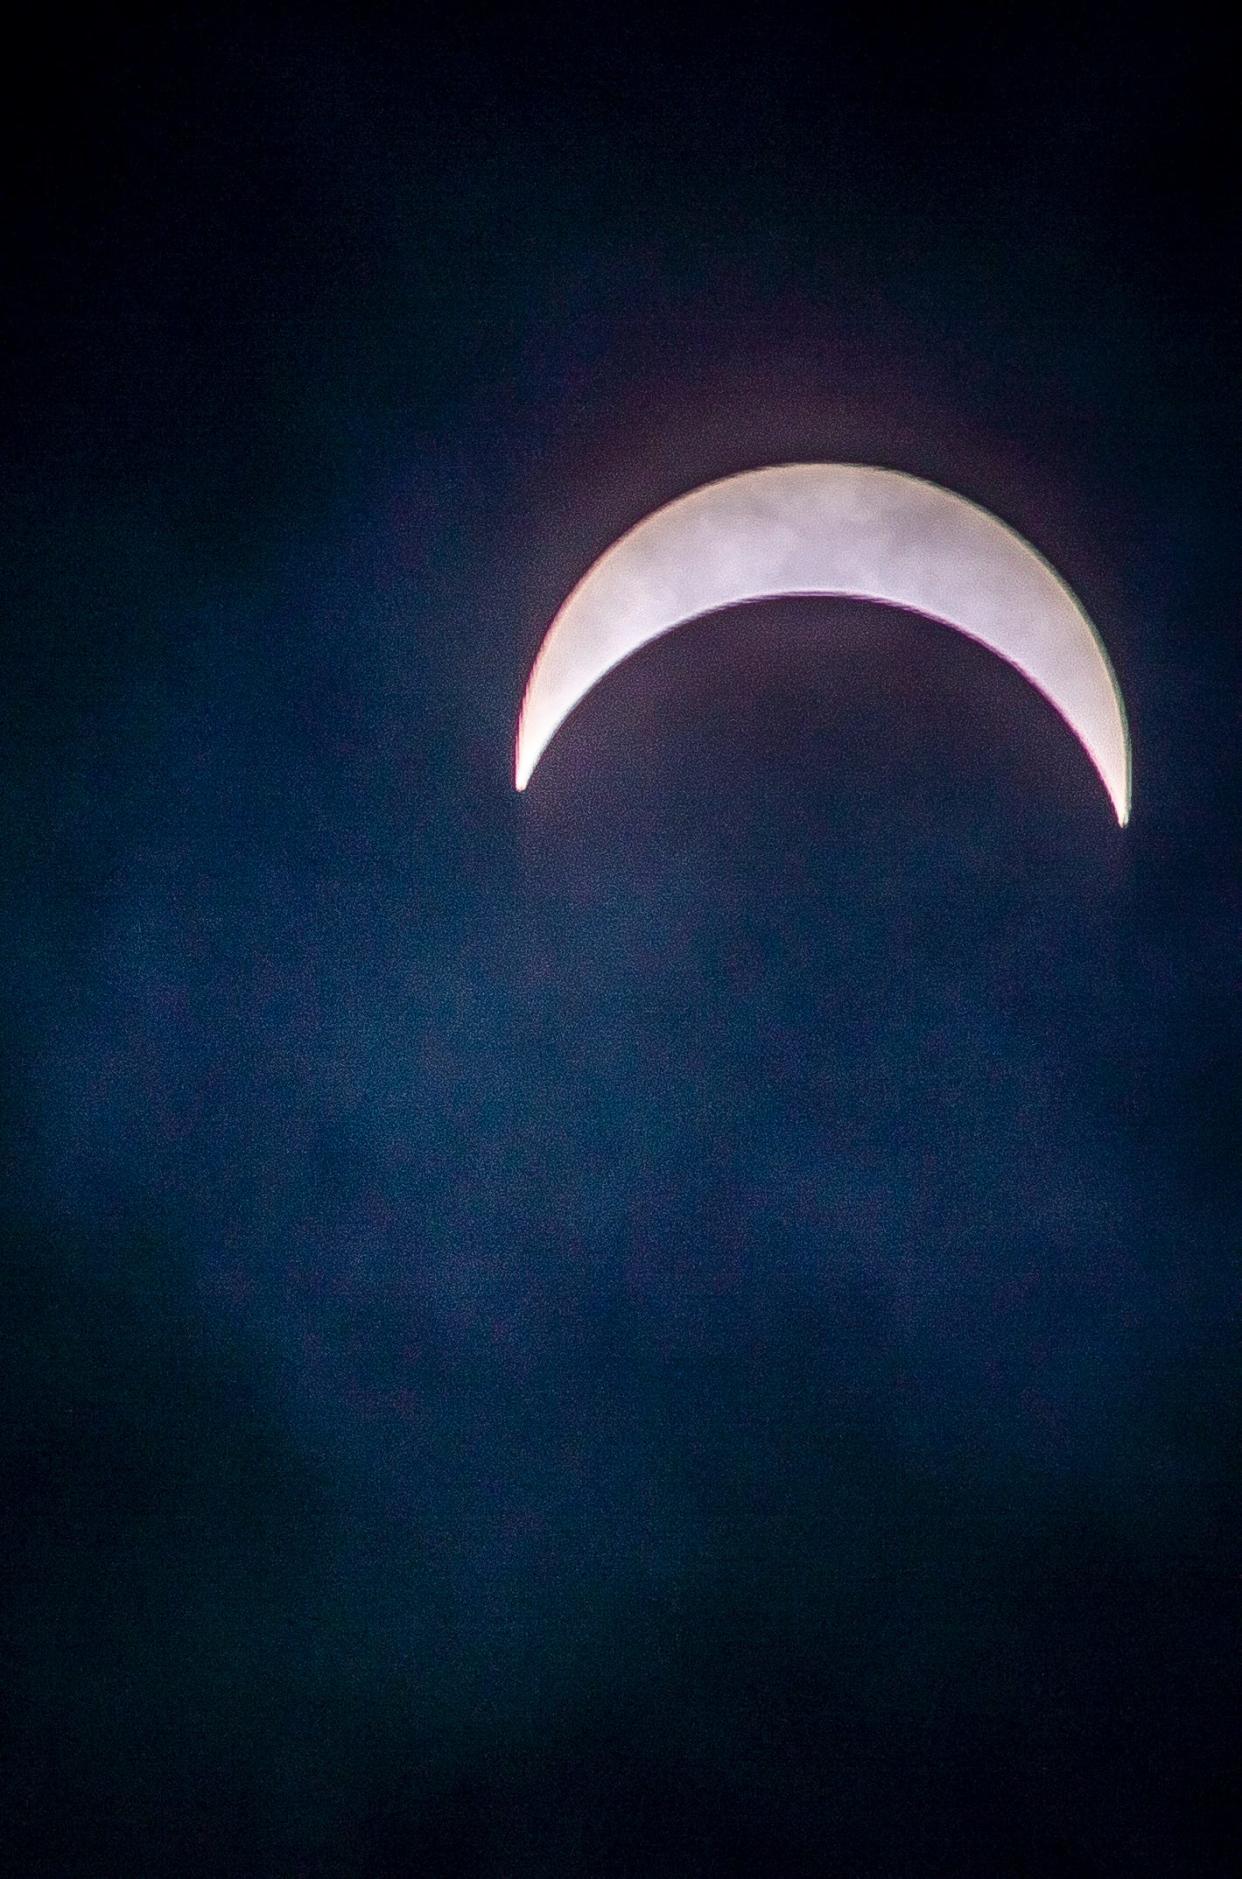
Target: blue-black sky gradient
(683, 1323)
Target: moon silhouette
(831, 528)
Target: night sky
(686, 1322)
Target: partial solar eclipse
(831, 528)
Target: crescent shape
(832, 528)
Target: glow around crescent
(831, 528)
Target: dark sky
(684, 1323)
